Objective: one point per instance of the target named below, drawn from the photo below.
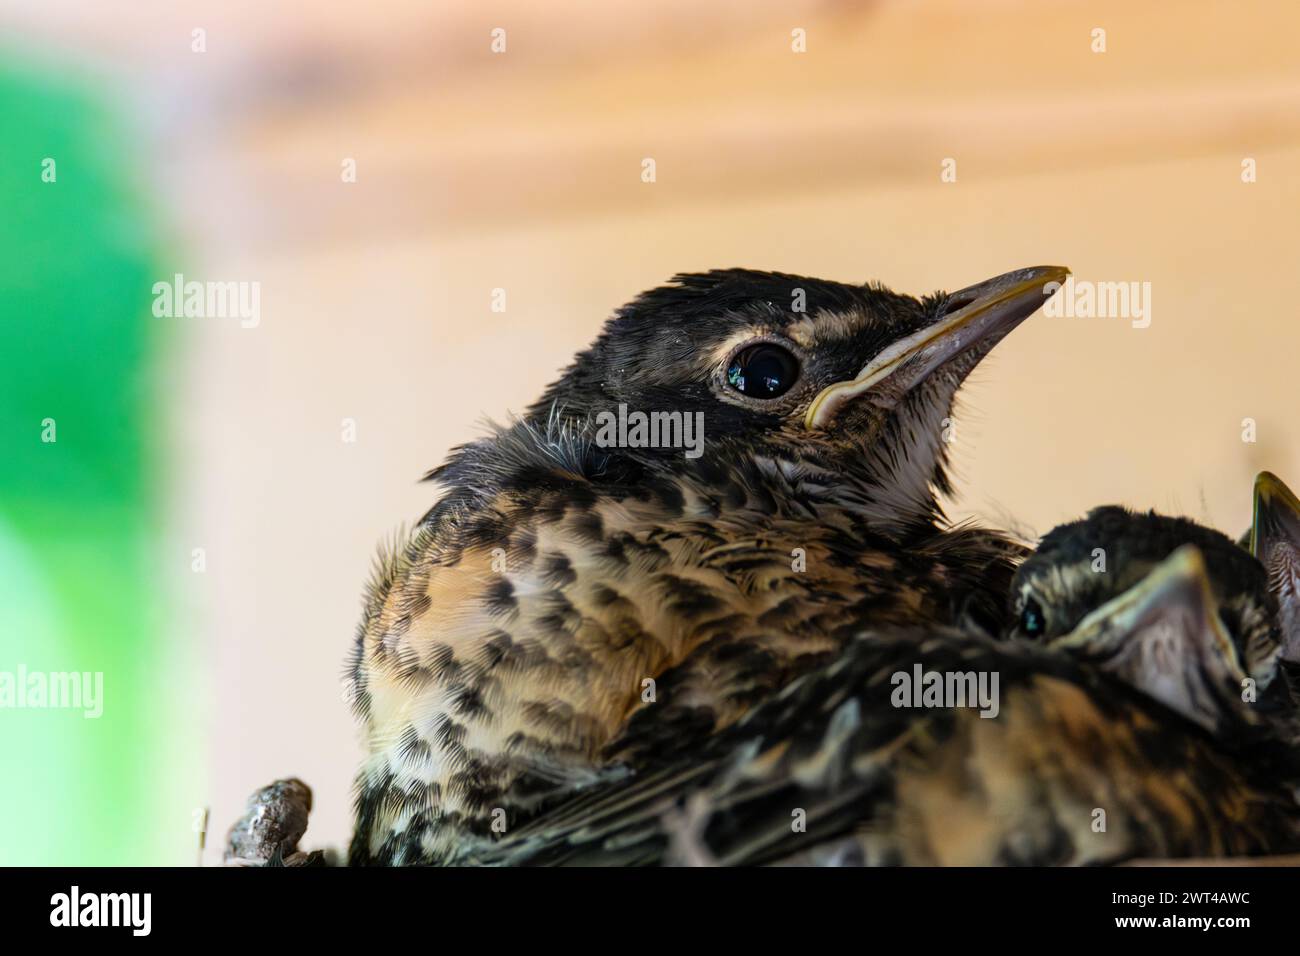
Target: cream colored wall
(522, 172)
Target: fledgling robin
(1140, 595)
(597, 585)
(1124, 723)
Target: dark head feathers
(1147, 538)
(720, 290)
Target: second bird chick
(1174, 608)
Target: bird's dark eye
(763, 371)
(1032, 621)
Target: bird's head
(1177, 609)
(845, 384)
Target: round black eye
(1032, 621)
(763, 371)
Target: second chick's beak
(975, 318)
(1164, 636)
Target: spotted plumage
(833, 773)
(1095, 753)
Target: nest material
(273, 822)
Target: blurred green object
(79, 521)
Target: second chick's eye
(764, 370)
(1032, 621)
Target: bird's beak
(1164, 636)
(1276, 517)
(979, 315)
(1176, 592)
(1275, 542)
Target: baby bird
(739, 473)
(1146, 597)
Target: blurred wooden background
(522, 171)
